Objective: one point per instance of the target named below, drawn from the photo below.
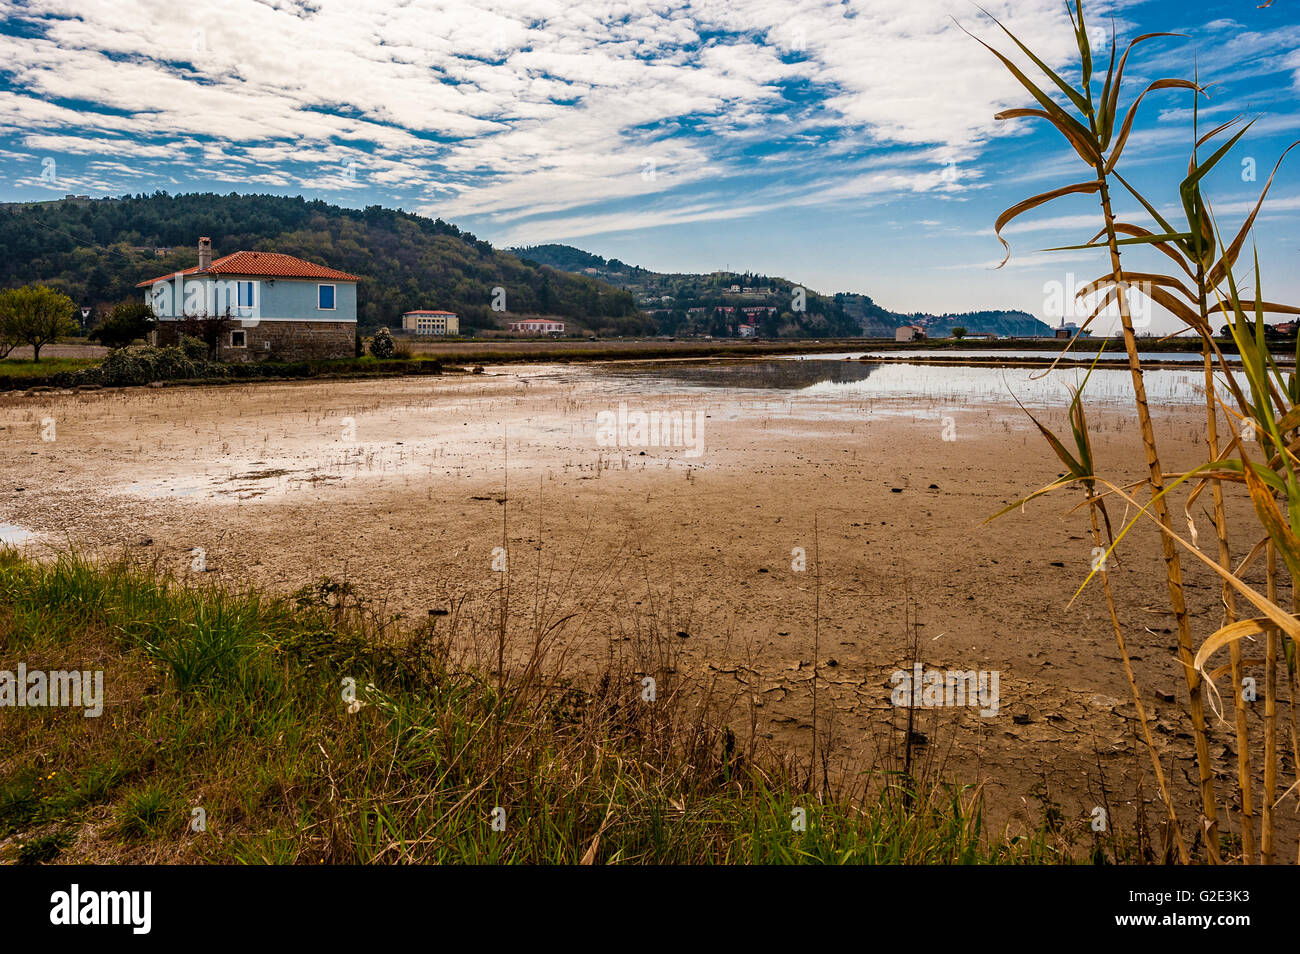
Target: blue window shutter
(325, 296)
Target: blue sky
(846, 145)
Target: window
(247, 294)
(325, 297)
(238, 339)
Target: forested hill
(1016, 324)
(575, 260)
(97, 250)
(687, 303)
(670, 295)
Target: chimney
(205, 253)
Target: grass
(237, 704)
(27, 368)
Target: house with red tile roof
(537, 326)
(273, 306)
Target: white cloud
(513, 107)
(542, 114)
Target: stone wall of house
(281, 340)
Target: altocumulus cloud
(598, 116)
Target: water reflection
(12, 535)
(816, 378)
(748, 374)
(1046, 354)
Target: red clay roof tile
(263, 265)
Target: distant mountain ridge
(859, 312)
(1016, 324)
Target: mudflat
(780, 542)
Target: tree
(8, 334)
(959, 332)
(36, 315)
(127, 321)
(381, 345)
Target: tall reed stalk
(1265, 402)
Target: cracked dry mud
(695, 553)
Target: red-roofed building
(537, 326)
(278, 306)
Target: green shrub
(43, 848)
(127, 321)
(381, 345)
(148, 810)
(142, 364)
(196, 349)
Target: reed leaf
(1122, 139)
(1242, 629)
(1112, 105)
(1079, 188)
(1080, 103)
(1078, 135)
(1230, 253)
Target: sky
(848, 146)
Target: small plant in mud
(328, 593)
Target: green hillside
(1017, 324)
(688, 302)
(95, 251)
(670, 296)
